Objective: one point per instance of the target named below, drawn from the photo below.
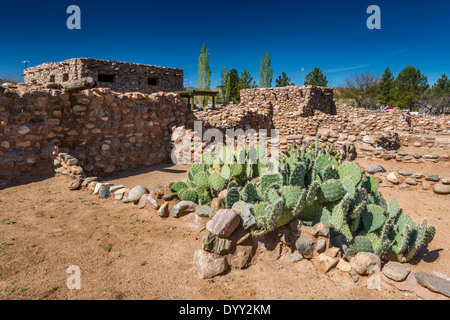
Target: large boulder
(434, 283)
(440, 188)
(136, 193)
(209, 265)
(363, 260)
(183, 208)
(224, 222)
(396, 271)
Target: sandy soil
(126, 253)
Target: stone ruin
(85, 132)
(302, 101)
(118, 76)
(109, 131)
(106, 131)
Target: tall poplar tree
(204, 72)
(265, 72)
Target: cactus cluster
(398, 239)
(225, 169)
(312, 185)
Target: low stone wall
(360, 127)
(105, 130)
(303, 101)
(245, 117)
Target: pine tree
(442, 85)
(265, 72)
(410, 84)
(283, 80)
(246, 80)
(386, 94)
(232, 86)
(316, 78)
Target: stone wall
(359, 127)
(105, 130)
(250, 116)
(303, 101)
(125, 77)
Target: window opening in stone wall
(103, 77)
(65, 77)
(153, 81)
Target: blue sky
(331, 35)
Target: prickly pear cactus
(201, 180)
(216, 182)
(189, 194)
(331, 191)
(232, 197)
(249, 193)
(313, 186)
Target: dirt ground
(126, 253)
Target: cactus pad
(331, 191)
(373, 217)
(216, 182)
(189, 194)
(201, 180)
(350, 169)
(232, 197)
(249, 193)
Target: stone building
(118, 76)
(303, 101)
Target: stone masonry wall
(303, 101)
(127, 77)
(238, 117)
(105, 130)
(359, 127)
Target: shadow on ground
(164, 167)
(423, 254)
(44, 175)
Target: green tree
(265, 72)
(232, 86)
(316, 78)
(283, 80)
(223, 84)
(410, 84)
(442, 85)
(204, 72)
(386, 94)
(223, 77)
(246, 80)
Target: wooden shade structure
(192, 93)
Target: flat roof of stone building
(102, 61)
